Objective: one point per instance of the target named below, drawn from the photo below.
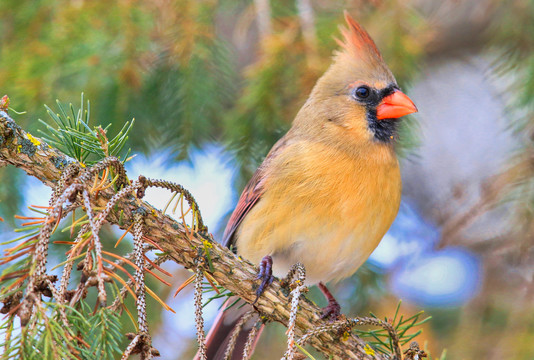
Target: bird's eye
(362, 92)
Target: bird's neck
(314, 126)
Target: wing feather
(252, 192)
(250, 196)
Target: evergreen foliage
(75, 138)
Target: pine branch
(184, 246)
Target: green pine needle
(405, 327)
(74, 136)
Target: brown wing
(252, 192)
(250, 196)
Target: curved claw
(265, 274)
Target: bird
(329, 189)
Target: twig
(98, 247)
(298, 272)
(247, 350)
(235, 334)
(199, 320)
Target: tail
(222, 330)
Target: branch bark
(36, 158)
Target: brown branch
(36, 158)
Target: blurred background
(213, 84)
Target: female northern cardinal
(328, 191)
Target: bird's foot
(332, 311)
(265, 274)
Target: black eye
(362, 92)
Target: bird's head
(357, 98)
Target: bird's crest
(357, 42)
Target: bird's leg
(265, 274)
(332, 311)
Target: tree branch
(36, 158)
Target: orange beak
(394, 106)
